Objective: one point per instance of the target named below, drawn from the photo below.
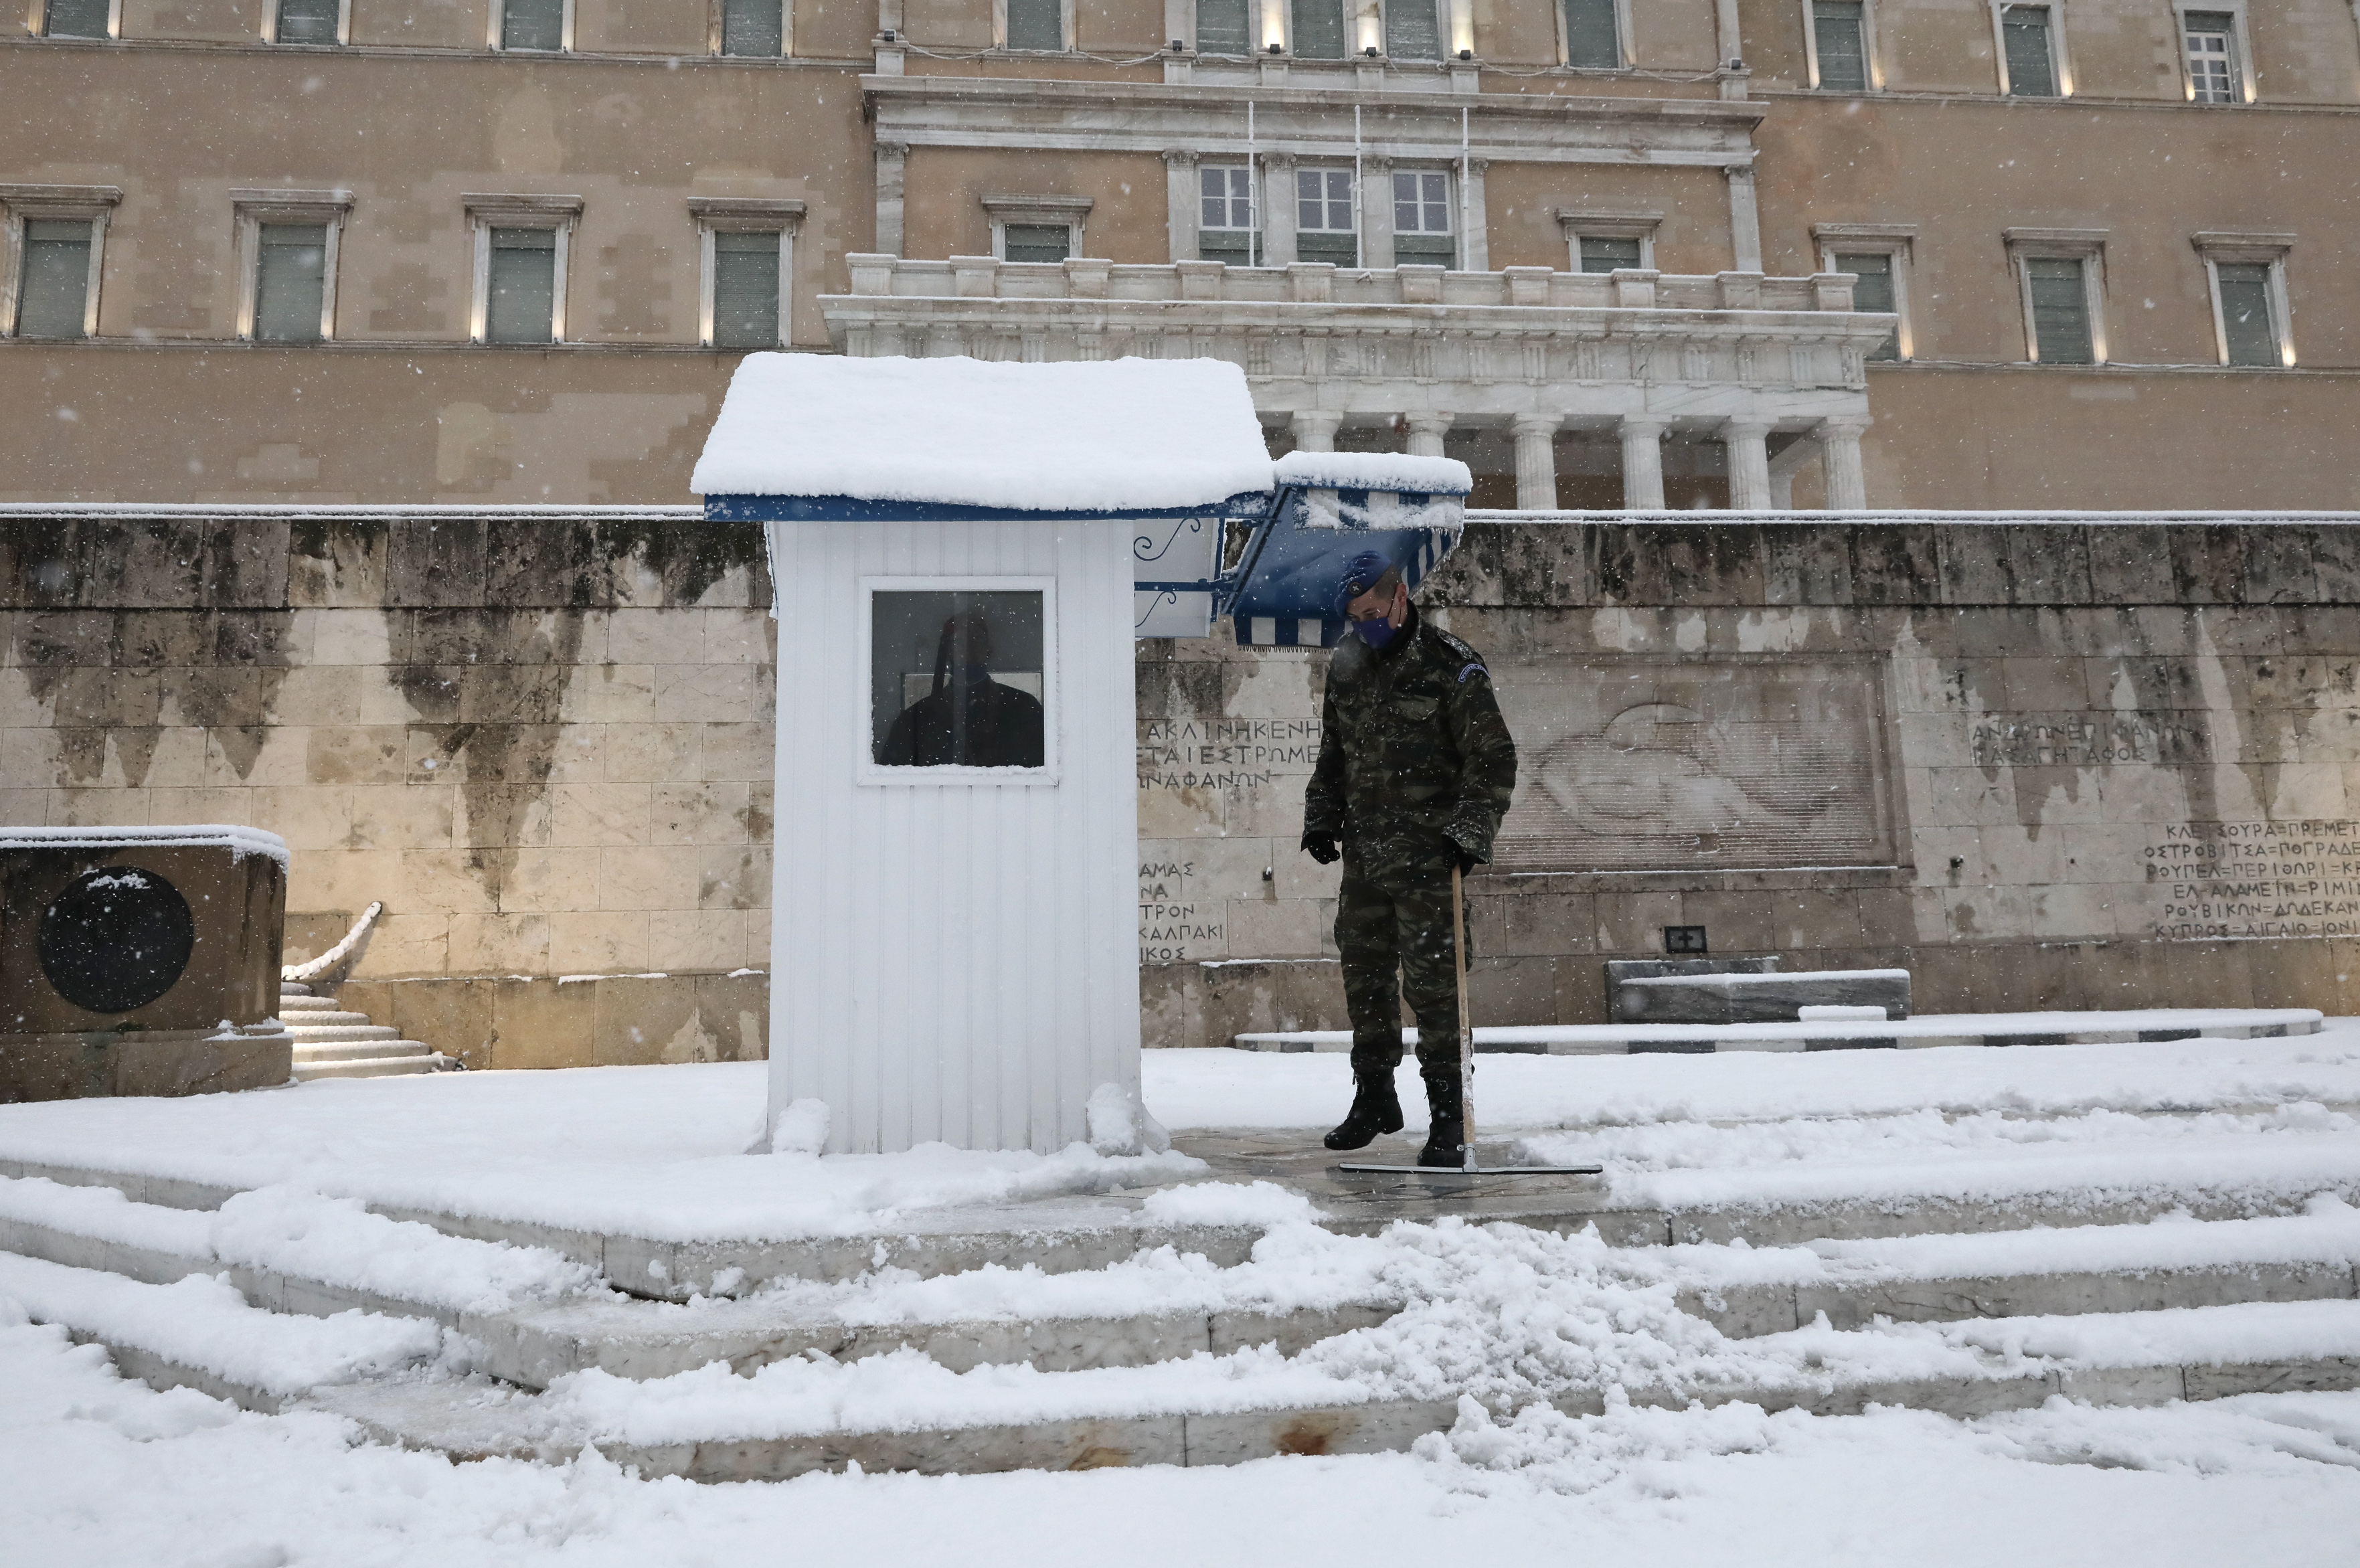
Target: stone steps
(334, 1042)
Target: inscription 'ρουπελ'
(2242, 881)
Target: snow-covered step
(798, 1417)
(292, 1001)
(329, 1024)
(2172, 1263)
(369, 1067)
(390, 1045)
(201, 1333)
(322, 1034)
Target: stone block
(543, 1023)
(1756, 998)
(598, 941)
(457, 1016)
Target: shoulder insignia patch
(1473, 669)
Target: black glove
(1468, 859)
(1321, 847)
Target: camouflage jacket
(1410, 745)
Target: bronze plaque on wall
(1662, 764)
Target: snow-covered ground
(102, 1471)
(658, 1151)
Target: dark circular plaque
(116, 939)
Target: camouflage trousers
(1393, 921)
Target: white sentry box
(954, 945)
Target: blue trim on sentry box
(855, 510)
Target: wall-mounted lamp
(1278, 49)
(1467, 54)
(888, 36)
(1370, 51)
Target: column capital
(1853, 425)
(1376, 163)
(1640, 427)
(1535, 424)
(1278, 162)
(1180, 158)
(1736, 171)
(1746, 425)
(1429, 419)
(892, 149)
(1315, 429)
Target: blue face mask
(1376, 633)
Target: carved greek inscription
(1224, 753)
(1173, 925)
(2005, 740)
(2255, 880)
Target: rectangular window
(54, 288)
(755, 27)
(76, 19)
(1410, 32)
(1324, 225)
(1422, 229)
(2060, 309)
(1592, 37)
(307, 22)
(532, 24)
(1318, 29)
(1873, 293)
(957, 678)
(291, 281)
(521, 303)
(745, 288)
(2249, 336)
(1225, 213)
(1222, 28)
(2211, 41)
(2031, 59)
(1037, 241)
(1607, 253)
(1839, 34)
(1036, 24)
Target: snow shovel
(1467, 1076)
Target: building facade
(1609, 251)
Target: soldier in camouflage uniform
(1415, 768)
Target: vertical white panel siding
(954, 962)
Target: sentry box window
(1684, 939)
(958, 681)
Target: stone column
(1475, 245)
(1376, 212)
(1744, 220)
(1840, 455)
(1182, 204)
(1749, 464)
(1427, 433)
(892, 160)
(1278, 209)
(1537, 462)
(1643, 464)
(1315, 429)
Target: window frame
(1072, 211)
(1195, 38)
(2086, 246)
(1451, 210)
(2252, 249)
(2060, 59)
(1621, 38)
(249, 211)
(869, 771)
(1871, 69)
(487, 212)
(1065, 42)
(20, 204)
(40, 17)
(2241, 52)
(1253, 229)
(1640, 226)
(271, 25)
(716, 25)
(1384, 14)
(744, 215)
(499, 32)
(1896, 241)
(1356, 202)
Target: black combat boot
(1375, 1108)
(1445, 1138)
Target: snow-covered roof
(1129, 435)
(1375, 470)
(240, 841)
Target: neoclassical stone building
(2073, 253)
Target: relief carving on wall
(1634, 765)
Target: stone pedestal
(140, 961)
